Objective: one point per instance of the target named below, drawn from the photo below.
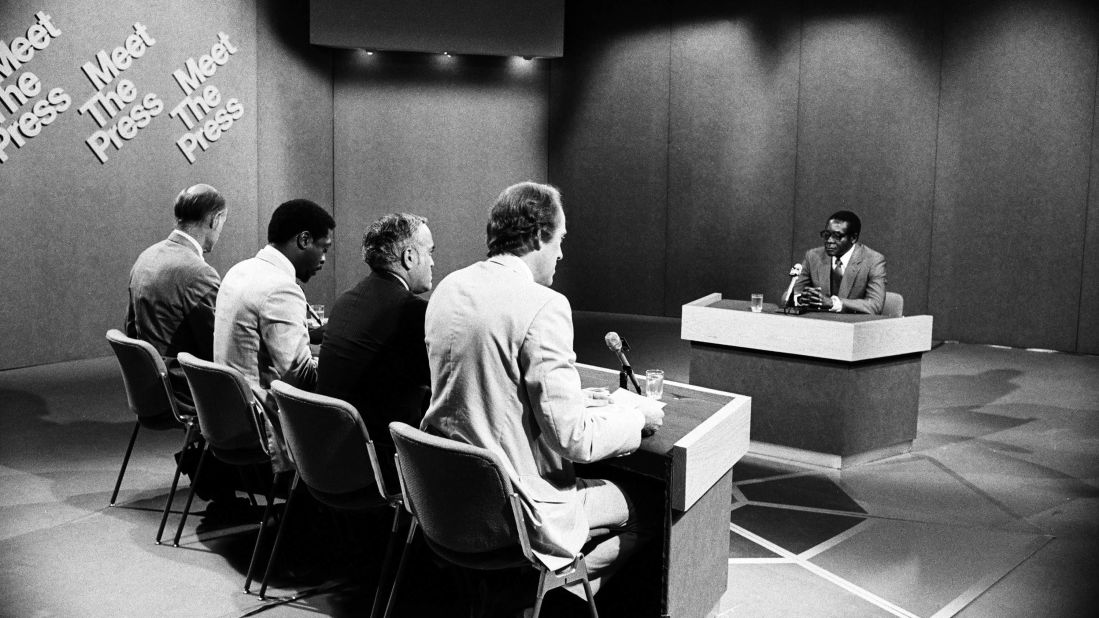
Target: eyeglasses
(837, 236)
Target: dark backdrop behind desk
(706, 147)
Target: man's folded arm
(571, 429)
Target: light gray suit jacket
(503, 377)
(260, 328)
(862, 288)
(172, 294)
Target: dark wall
(436, 136)
(962, 133)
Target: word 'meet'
(27, 86)
(120, 59)
(21, 49)
(198, 71)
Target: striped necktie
(836, 276)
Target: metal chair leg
(125, 461)
(191, 495)
(259, 537)
(383, 573)
(542, 575)
(400, 566)
(591, 597)
(278, 537)
(175, 482)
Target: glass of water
(654, 383)
(757, 303)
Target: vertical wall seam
(667, 170)
(797, 133)
(1087, 205)
(935, 156)
(332, 162)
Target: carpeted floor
(994, 513)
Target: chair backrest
(330, 445)
(894, 305)
(227, 410)
(145, 378)
(461, 496)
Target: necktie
(836, 277)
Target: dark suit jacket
(172, 295)
(862, 288)
(373, 354)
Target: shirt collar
(844, 259)
(392, 275)
(513, 262)
(194, 242)
(275, 257)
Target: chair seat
(241, 456)
(365, 498)
(485, 561)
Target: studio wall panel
(435, 136)
(866, 131)
(1087, 338)
(73, 222)
(608, 154)
(294, 83)
(1017, 111)
(732, 147)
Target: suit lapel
(849, 272)
(822, 272)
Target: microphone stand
(627, 372)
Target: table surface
(746, 306)
(686, 407)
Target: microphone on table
(619, 347)
(787, 296)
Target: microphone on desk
(618, 346)
(787, 296)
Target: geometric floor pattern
(835, 557)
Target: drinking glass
(654, 383)
(757, 303)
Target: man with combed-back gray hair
(172, 288)
(373, 354)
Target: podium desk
(828, 389)
(705, 432)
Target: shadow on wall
(769, 22)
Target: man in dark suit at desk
(843, 276)
(173, 289)
(373, 355)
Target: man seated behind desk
(499, 342)
(843, 276)
(373, 354)
(260, 326)
(173, 289)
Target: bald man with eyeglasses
(844, 275)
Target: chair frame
(548, 579)
(191, 363)
(187, 422)
(392, 500)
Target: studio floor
(994, 513)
